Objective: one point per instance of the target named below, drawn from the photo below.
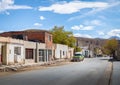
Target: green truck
(77, 57)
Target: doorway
(3, 54)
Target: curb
(106, 77)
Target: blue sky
(85, 18)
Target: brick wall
(39, 36)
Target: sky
(85, 18)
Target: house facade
(90, 47)
(22, 50)
(38, 37)
(36, 52)
(62, 51)
(15, 51)
(70, 52)
(30, 51)
(11, 51)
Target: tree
(110, 47)
(61, 36)
(77, 49)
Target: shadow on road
(111, 60)
(114, 60)
(105, 59)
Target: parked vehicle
(99, 55)
(78, 57)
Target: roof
(28, 30)
(90, 38)
(36, 30)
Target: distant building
(118, 51)
(90, 47)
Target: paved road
(89, 72)
(116, 73)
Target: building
(118, 51)
(38, 36)
(90, 47)
(11, 51)
(23, 47)
(15, 51)
(62, 51)
(70, 52)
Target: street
(92, 71)
(115, 79)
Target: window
(97, 42)
(91, 42)
(29, 53)
(41, 54)
(49, 37)
(63, 53)
(17, 50)
(50, 52)
(49, 55)
(87, 41)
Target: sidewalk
(115, 80)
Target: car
(77, 57)
(99, 55)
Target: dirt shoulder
(30, 68)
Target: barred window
(41, 52)
(17, 50)
(49, 38)
(29, 53)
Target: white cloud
(82, 27)
(93, 22)
(1, 31)
(82, 35)
(9, 5)
(72, 7)
(101, 33)
(96, 22)
(42, 17)
(115, 32)
(96, 10)
(7, 13)
(37, 24)
(31, 28)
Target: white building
(86, 52)
(15, 51)
(62, 51)
(11, 51)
